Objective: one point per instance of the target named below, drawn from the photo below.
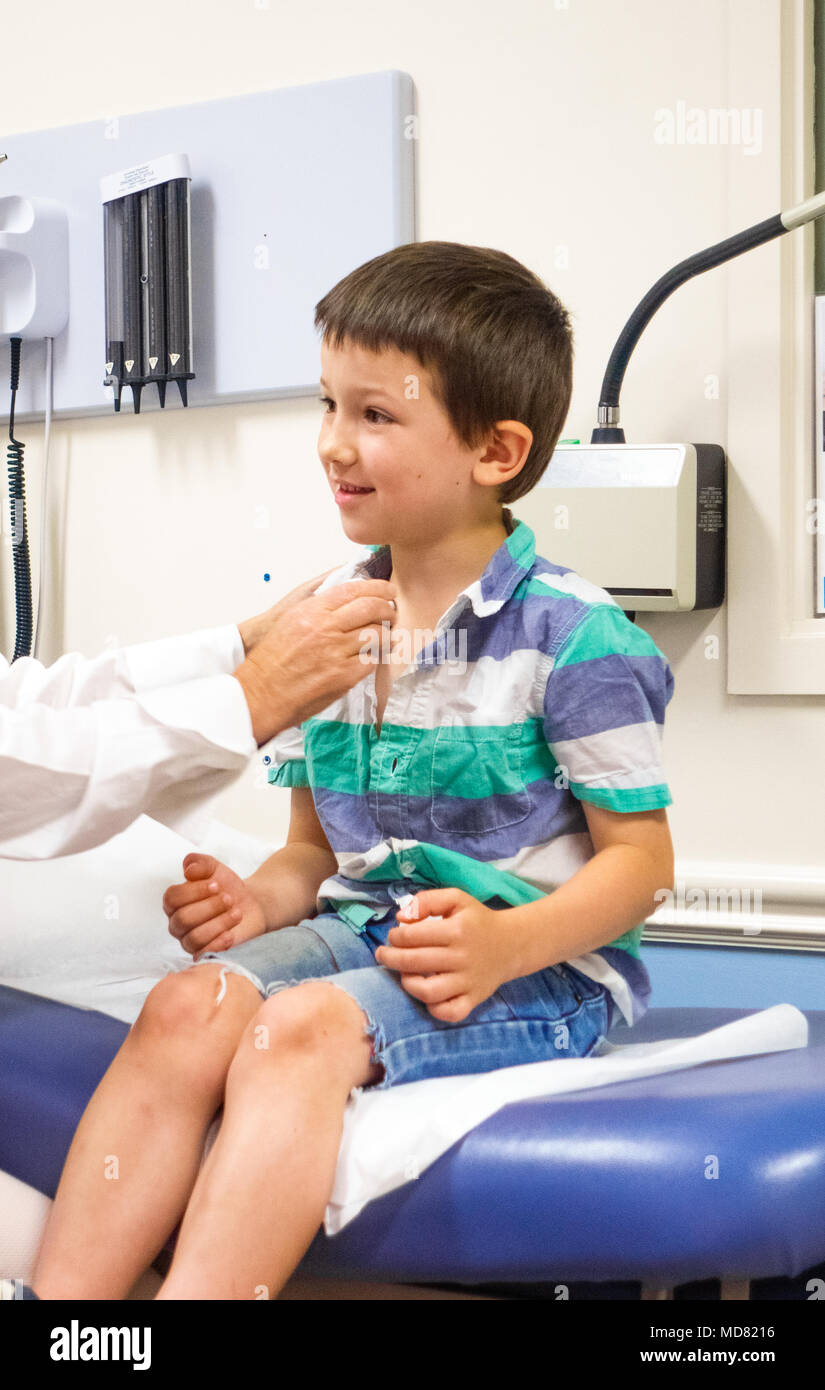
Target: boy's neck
(429, 576)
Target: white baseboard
(717, 904)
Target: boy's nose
(337, 456)
(336, 439)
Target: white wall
(537, 125)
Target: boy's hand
(214, 909)
(453, 965)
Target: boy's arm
(610, 894)
(286, 885)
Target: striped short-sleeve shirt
(535, 693)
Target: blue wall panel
(733, 977)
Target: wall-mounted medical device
(34, 267)
(647, 523)
(148, 277)
(34, 274)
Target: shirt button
(408, 867)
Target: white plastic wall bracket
(34, 267)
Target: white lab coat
(88, 745)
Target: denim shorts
(555, 1013)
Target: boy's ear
(507, 450)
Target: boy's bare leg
(136, 1152)
(260, 1197)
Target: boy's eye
(325, 400)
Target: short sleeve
(288, 759)
(604, 710)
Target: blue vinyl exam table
(602, 1190)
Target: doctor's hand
(314, 648)
(451, 965)
(214, 909)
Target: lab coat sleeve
(158, 728)
(78, 680)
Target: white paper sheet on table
(391, 1136)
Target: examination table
(596, 1194)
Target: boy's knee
(186, 1000)
(312, 1015)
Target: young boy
(500, 761)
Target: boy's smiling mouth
(347, 492)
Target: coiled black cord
(19, 536)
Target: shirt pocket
(476, 780)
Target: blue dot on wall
(266, 578)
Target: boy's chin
(364, 533)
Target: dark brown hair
(497, 342)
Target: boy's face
(384, 430)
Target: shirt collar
(505, 569)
